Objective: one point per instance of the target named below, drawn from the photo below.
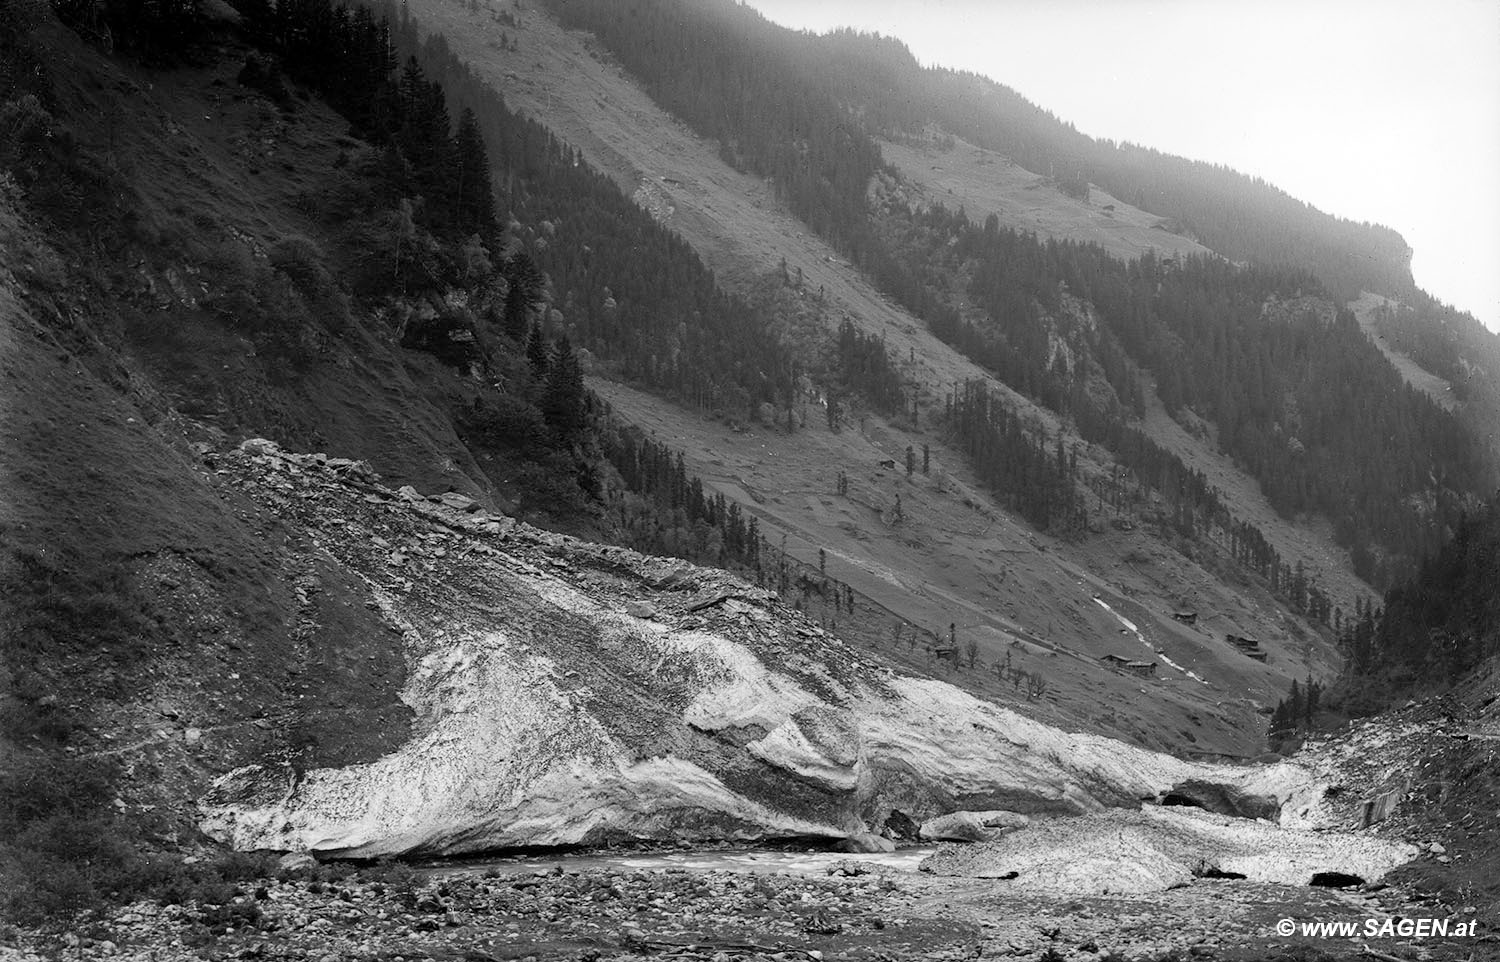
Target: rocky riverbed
(850, 910)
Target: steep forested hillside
(1241, 217)
(1435, 627)
(621, 286)
(1456, 348)
(879, 79)
(263, 228)
(1298, 395)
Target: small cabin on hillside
(948, 653)
(1146, 669)
(1246, 646)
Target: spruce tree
(257, 18)
(474, 202)
(426, 145)
(562, 402)
(536, 351)
(524, 283)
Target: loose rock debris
(385, 913)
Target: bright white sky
(1374, 110)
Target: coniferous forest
(878, 80)
(573, 274)
(623, 288)
(1301, 399)
(1434, 627)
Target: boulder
(260, 447)
(955, 827)
(868, 843)
(296, 863)
(1002, 819)
(456, 501)
(1379, 808)
(408, 493)
(1222, 799)
(349, 468)
(640, 609)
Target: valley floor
(854, 910)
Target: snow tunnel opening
(1335, 880)
(901, 826)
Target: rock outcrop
(568, 693)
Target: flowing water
(746, 860)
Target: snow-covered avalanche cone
(569, 693)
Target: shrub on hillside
(267, 308)
(504, 422)
(65, 845)
(59, 853)
(448, 333)
(304, 263)
(82, 854)
(550, 485)
(267, 79)
(56, 605)
(45, 159)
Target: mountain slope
(358, 669)
(998, 295)
(735, 222)
(954, 172)
(397, 409)
(155, 624)
(190, 253)
(1242, 218)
